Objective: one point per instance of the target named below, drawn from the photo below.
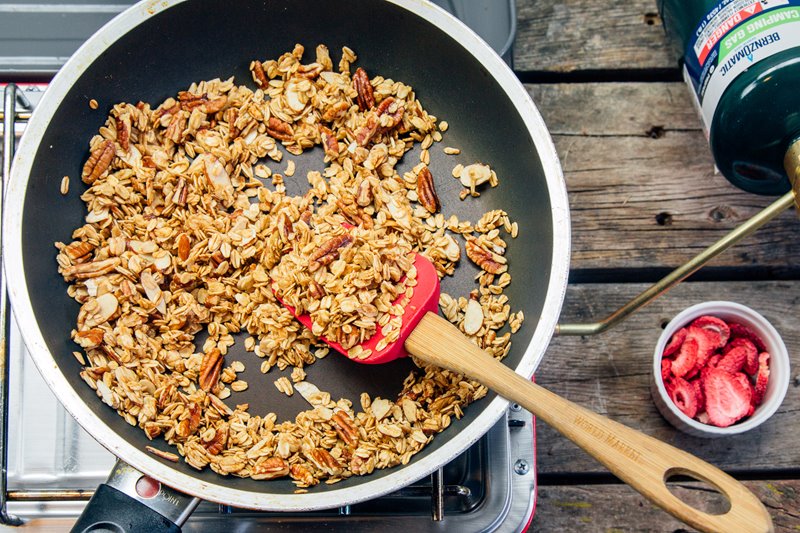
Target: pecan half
(310, 71)
(269, 468)
(385, 117)
(78, 249)
(390, 113)
(189, 425)
(217, 444)
(92, 269)
(426, 192)
(329, 142)
(335, 111)
(328, 251)
(190, 100)
(258, 74)
(169, 456)
(124, 131)
(487, 260)
(98, 162)
(355, 215)
(365, 96)
(279, 129)
(213, 106)
(360, 465)
(89, 338)
(230, 116)
(210, 369)
(164, 111)
(285, 227)
(344, 428)
(302, 474)
(365, 133)
(316, 291)
(323, 460)
(305, 216)
(152, 430)
(217, 258)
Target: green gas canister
(741, 59)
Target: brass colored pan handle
(780, 205)
(640, 460)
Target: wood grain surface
(618, 508)
(644, 194)
(597, 36)
(610, 373)
(645, 197)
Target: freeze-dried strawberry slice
(740, 330)
(675, 342)
(714, 325)
(761, 379)
(713, 361)
(686, 358)
(745, 381)
(698, 394)
(706, 345)
(683, 396)
(751, 358)
(733, 360)
(666, 369)
(727, 398)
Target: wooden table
(644, 198)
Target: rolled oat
(180, 236)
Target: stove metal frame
(508, 450)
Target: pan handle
(690, 267)
(643, 462)
(130, 502)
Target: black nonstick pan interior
(201, 40)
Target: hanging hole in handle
(697, 493)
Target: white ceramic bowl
(778, 367)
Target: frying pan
(155, 49)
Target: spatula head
(425, 298)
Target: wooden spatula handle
(643, 462)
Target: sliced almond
(473, 317)
(452, 250)
(153, 291)
(162, 260)
(143, 247)
(306, 389)
(380, 408)
(474, 175)
(219, 178)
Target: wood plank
(618, 508)
(642, 186)
(610, 373)
(574, 35)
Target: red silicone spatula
(638, 459)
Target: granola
(181, 235)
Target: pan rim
(152, 466)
